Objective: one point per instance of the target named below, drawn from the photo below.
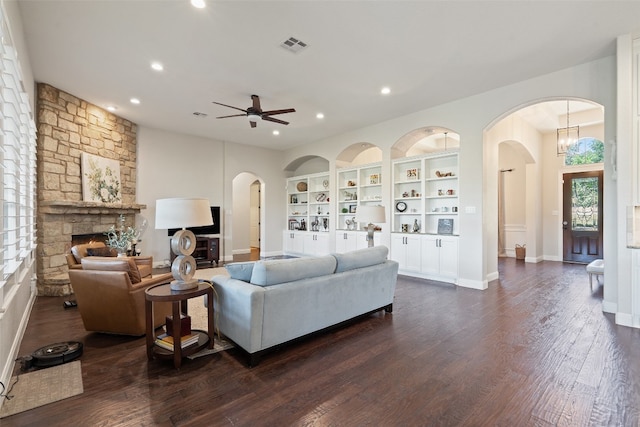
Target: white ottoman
(595, 267)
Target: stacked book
(166, 341)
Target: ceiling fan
(255, 113)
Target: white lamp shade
(254, 117)
(370, 214)
(182, 213)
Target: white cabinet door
(316, 244)
(440, 256)
(287, 242)
(346, 241)
(430, 255)
(449, 256)
(292, 242)
(406, 249)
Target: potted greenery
(122, 239)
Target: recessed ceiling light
(111, 108)
(199, 4)
(385, 90)
(276, 132)
(134, 101)
(320, 116)
(157, 66)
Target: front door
(582, 217)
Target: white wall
(469, 118)
(174, 165)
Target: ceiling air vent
(294, 45)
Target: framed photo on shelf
(294, 199)
(374, 179)
(294, 224)
(445, 226)
(352, 208)
(413, 174)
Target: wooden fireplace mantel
(62, 207)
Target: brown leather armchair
(74, 259)
(110, 294)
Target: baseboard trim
(480, 285)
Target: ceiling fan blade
(271, 119)
(256, 102)
(273, 112)
(230, 106)
(233, 115)
(253, 124)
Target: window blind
(17, 160)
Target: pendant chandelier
(567, 136)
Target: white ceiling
(427, 52)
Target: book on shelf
(166, 341)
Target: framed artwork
(100, 179)
(445, 226)
(413, 174)
(374, 178)
(352, 208)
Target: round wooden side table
(178, 299)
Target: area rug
(198, 313)
(41, 387)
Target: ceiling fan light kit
(255, 113)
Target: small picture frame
(445, 226)
(294, 224)
(374, 179)
(352, 208)
(294, 199)
(413, 174)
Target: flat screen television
(207, 229)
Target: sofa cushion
(113, 264)
(361, 258)
(272, 272)
(240, 270)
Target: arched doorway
(247, 217)
(534, 127)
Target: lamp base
(370, 229)
(183, 285)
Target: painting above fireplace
(100, 179)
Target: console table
(207, 250)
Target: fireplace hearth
(64, 224)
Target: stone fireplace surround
(68, 126)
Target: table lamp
(183, 213)
(370, 215)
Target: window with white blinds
(17, 160)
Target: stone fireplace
(67, 127)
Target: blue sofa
(266, 303)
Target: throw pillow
(105, 251)
(240, 270)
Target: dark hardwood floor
(534, 349)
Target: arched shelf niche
(307, 165)
(424, 141)
(360, 153)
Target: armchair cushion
(126, 264)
